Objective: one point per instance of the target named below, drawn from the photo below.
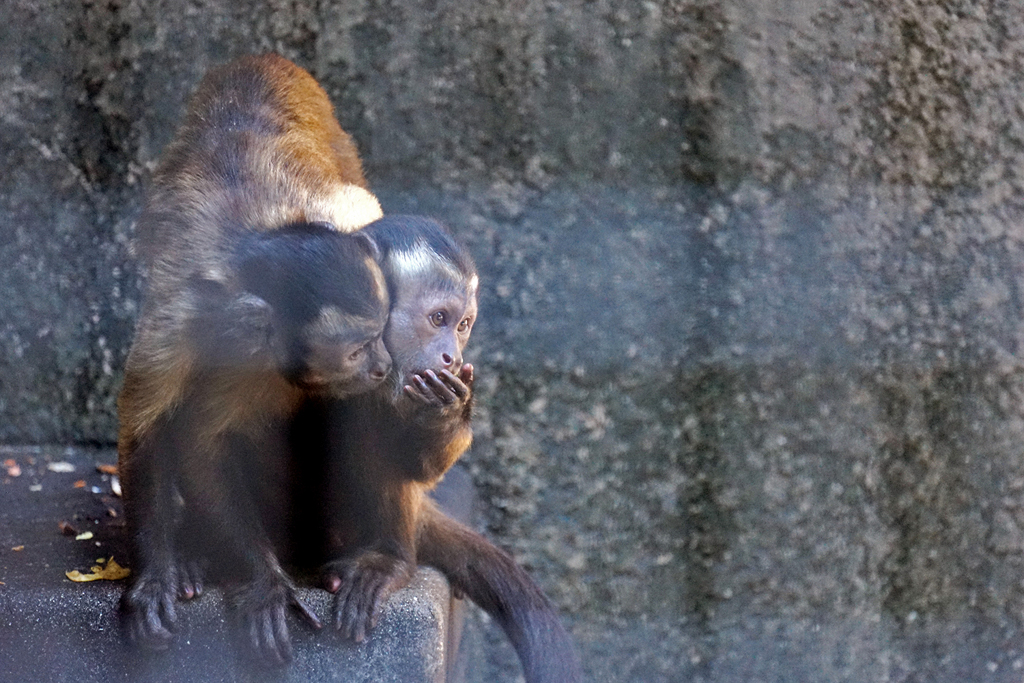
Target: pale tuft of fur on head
(420, 261)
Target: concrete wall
(752, 404)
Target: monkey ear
(369, 245)
(209, 292)
(251, 313)
(251, 324)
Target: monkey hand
(149, 610)
(261, 611)
(440, 393)
(362, 585)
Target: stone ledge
(52, 629)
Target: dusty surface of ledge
(55, 630)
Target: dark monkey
(389, 447)
(256, 300)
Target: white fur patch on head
(420, 261)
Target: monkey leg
(492, 579)
(219, 492)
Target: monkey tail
(492, 579)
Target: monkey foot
(149, 612)
(362, 585)
(261, 612)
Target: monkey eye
(438, 318)
(357, 353)
(464, 325)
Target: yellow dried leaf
(84, 536)
(112, 572)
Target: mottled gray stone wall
(752, 405)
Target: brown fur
(387, 449)
(297, 165)
(383, 523)
(205, 403)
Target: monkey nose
(447, 360)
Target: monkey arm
(492, 579)
(389, 455)
(435, 422)
(379, 518)
(146, 467)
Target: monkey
(258, 296)
(387, 448)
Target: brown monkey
(256, 300)
(388, 448)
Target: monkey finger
(275, 647)
(358, 630)
(380, 599)
(331, 583)
(466, 373)
(265, 644)
(455, 384)
(190, 584)
(167, 612)
(152, 633)
(440, 389)
(415, 394)
(305, 612)
(341, 599)
(357, 613)
(255, 642)
(192, 578)
(283, 643)
(429, 396)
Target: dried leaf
(106, 469)
(80, 484)
(67, 529)
(111, 572)
(115, 486)
(60, 467)
(13, 470)
(84, 536)
(18, 548)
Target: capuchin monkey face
(340, 355)
(429, 326)
(325, 305)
